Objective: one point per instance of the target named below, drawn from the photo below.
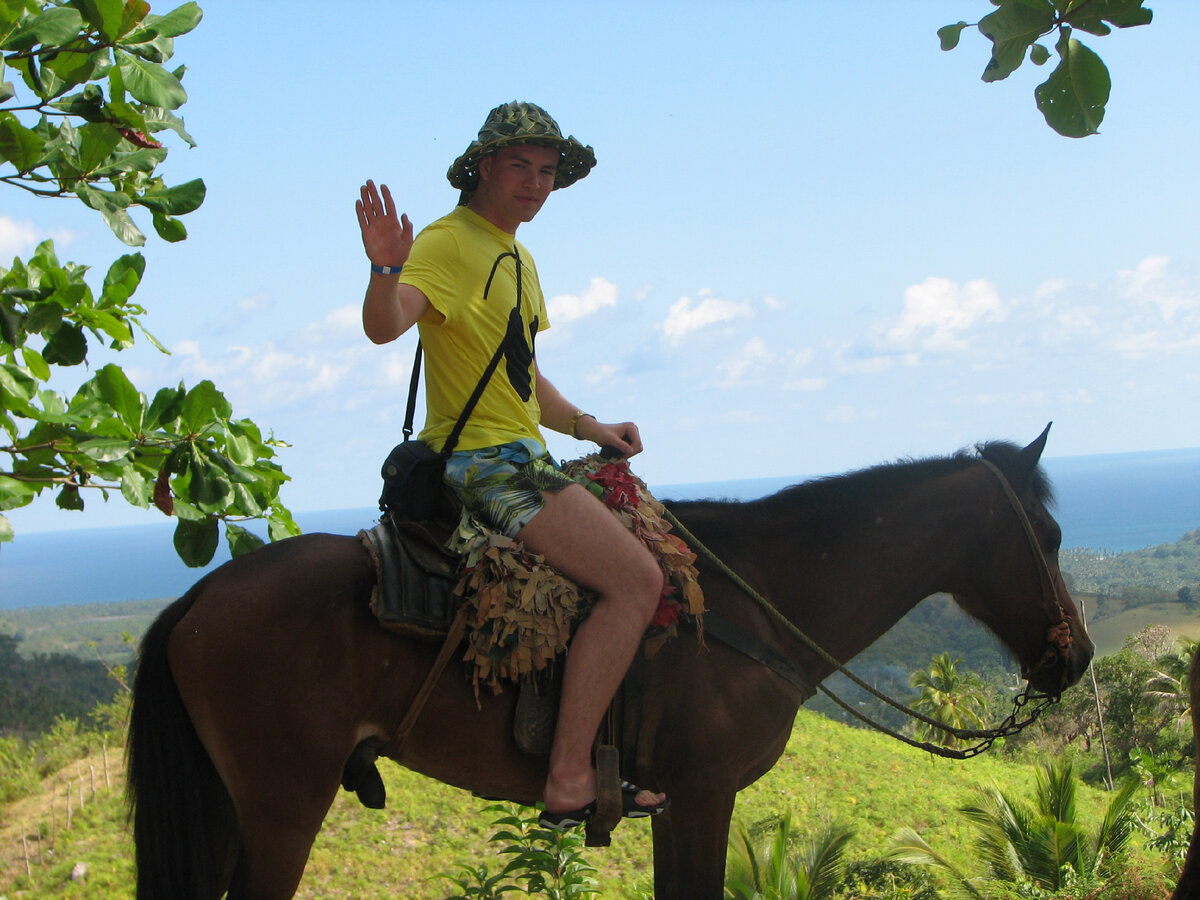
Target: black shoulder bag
(413, 487)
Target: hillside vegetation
(828, 773)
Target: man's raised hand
(386, 238)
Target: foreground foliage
(94, 91)
(1045, 844)
(1073, 98)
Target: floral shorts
(503, 486)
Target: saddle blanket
(521, 611)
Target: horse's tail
(184, 826)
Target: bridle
(1058, 639)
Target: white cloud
(600, 374)
(339, 323)
(847, 415)
(254, 303)
(16, 238)
(805, 384)
(938, 312)
(1134, 282)
(19, 238)
(750, 363)
(564, 308)
(686, 315)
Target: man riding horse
(469, 286)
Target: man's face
(517, 180)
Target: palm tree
(1168, 686)
(762, 869)
(957, 700)
(1044, 844)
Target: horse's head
(1016, 587)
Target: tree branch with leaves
(95, 91)
(1074, 97)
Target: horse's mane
(861, 486)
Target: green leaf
(6, 529)
(15, 493)
(16, 385)
(72, 66)
(106, 16)
(52, 28)
(202, 405)
(196, 540)
(67, 346)
(135, 488)
(35, 363)
(280, 524)
(951, 34)
(1073, 98)
(165, 407)
(111, 205)
(118, 391)
(160, 120)
(208, 488)
(240, 540)
(169, 228)
(105, 449)
(1038, 54)
(1092, 16)
(69, 498)
(178, 21)
(175, 201)
(96, 144)
(18, 144)
(143, 159)
(150, 83)
(104, 322)
(122, 279)
(1012, 29)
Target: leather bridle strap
(1059, 636)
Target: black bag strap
(488, 371)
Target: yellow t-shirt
(467, 269)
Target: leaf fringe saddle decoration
(521, 611)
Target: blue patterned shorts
(503, 486)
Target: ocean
(1112, 502)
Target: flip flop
(630, 809)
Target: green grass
(828, 773)
(1110, 633)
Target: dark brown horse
(1188, 887)
(255, 688)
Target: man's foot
(636, 803)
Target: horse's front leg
(691, 838)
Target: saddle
(415, 595)
(416, 575)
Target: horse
(258, 688)
(1188, 886)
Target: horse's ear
(1030, 455)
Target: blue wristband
(387, 270)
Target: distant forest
(50, 657)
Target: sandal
(630, 809)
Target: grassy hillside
(82, 630)
(828, 773)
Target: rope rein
(1011, 725)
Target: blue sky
(813, 240)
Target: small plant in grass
(761, 864)
(544, 862)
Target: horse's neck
(844, 585)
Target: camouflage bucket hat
(521, 123)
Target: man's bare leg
(577, 535)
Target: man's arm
(558, 414)
(389, 308)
